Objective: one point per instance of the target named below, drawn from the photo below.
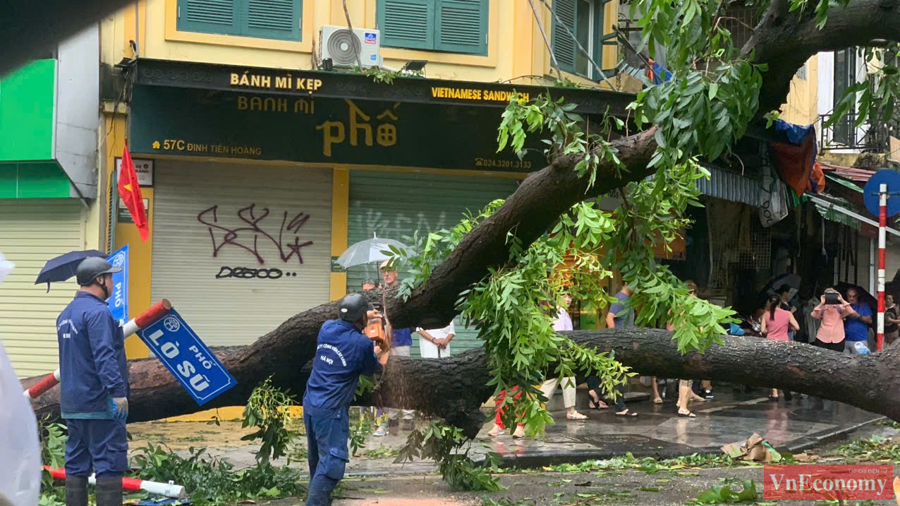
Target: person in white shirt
(435, 343)
(563, 323)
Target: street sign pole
(877, 194)
(882, 225)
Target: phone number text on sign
(188, 359)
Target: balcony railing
(844, 134)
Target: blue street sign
(118, 300)
(870, 193)
(187, 358)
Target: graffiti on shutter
(253, 232)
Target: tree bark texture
(783, 41)
(551, 191)
(454, 388)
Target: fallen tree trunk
(527, 214)
(456, 387)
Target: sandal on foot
(576, 416)
(627, 413)
(658, 400)
(597, 405)
(687, 414)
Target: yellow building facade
(215, 206)
(265, 168)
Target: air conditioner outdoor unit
(342, 46)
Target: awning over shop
(48, 127)
(730, 186)
(33, 180)
(843, 182)
(840, 211)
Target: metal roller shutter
(32, 232)
(212, 220)
(396, 204)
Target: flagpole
(112, 188)
(113, 213)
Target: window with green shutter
(453, 26)
(584, 19)
(265, 19)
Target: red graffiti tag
(247, 238)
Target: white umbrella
(371, 250)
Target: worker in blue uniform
(93, 388)
(343, 354)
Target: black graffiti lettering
(247, 237)
(249, 273)
(269, 273)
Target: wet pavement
(657, 431)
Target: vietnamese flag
(130, 191)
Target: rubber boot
(76, 491)
(109, 491)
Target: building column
(340, 221)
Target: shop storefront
(33, 231)
(263, 177)
(240, 248)
(395, 205)
(48, 185)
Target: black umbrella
(864, 295)
(63, 267)
(791, 280)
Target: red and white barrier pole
(131, 485)
(882, 227)
(38, 389)
(142, 320)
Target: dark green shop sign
(203, 123)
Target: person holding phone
(777, 324)
(832, 310)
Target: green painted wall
(27, 98)
(38, 180)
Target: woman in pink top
(831, 332)
(775, 326)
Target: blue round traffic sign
(873, 187)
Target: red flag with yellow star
(130, 191)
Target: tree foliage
(708, 102)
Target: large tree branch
(456, 387)
(547, 193)
(527, 213)
(786, 40)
